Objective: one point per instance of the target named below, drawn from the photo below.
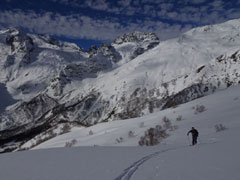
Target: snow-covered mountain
(216, 156)
(52, 83)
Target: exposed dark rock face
(107, 52)
(27, 113)
(136, 37)
(20, 43)
(144, 41)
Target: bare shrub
(131, 134)
(141, 125)
(220, 127)
(179, 118)
(74, 141)
(68, 144)
(65, 129)
(39, 141)
(51, 133)
(71, 143)
(153, 136)
(167, 123)
(119, 140)
(199, 109)
(90, 132)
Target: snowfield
(215, 157)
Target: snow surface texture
(56, 82)
(216, 156)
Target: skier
(194, 135)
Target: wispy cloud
(190, 10)
(84, 27)
(198, 1)
(167, 18)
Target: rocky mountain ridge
(39, 70)
(134, 76)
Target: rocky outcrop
(138, 37)
(135, 43)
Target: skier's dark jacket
(194, 132)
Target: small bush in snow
(74, 141)
(179, 118)
(220, 127)
(199, 109)
(51, 133)
(167, 123)
(119, 140)
(141, 125)
(153, 136)
(90, 132)
(131, 134)
(65, 129)
(68, 144)
(39, 141)
(71, 143)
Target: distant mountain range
(46, 84)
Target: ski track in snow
(128, 173)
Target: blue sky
(95, 21)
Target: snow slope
(221, 108)
(215, 157)
(172, 59)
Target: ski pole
(189, 143)
(200, 142)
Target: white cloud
(124, 3)
(232, 14)
(184, 11)
(84, 27)
(217, 3)
(198, 1)
(108, 28)
(97, 4)
(166, 6)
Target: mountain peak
(12, 31)
(136, 37)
